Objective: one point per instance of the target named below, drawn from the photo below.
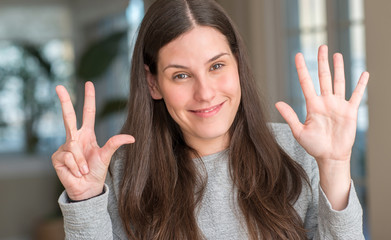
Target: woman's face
(199, 81)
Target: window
(305, 30)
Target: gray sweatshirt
(218, 215)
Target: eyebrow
(184, 67)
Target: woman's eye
(216, 66)
(181, 76)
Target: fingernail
(85, 169)
(79, 174)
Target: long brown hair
(161, 185)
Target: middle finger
(78, 154)
(89, 106)
(324, 71)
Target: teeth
(210, 110)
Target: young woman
(205, 164)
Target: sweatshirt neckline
(214, 156)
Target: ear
(152, 84)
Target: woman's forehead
(200, 43)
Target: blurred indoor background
(44, 43)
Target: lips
(208, 112)
(207, 109)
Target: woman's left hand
(329, 130)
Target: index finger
(304, 77)
(360, 89)
(68, 112)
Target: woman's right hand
(80, 163)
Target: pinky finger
(70, 163)
(360, 89)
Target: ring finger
(68, 160)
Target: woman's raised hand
(80, 163)
(329, 130)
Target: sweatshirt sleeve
(88, 219)
(323, 222)
(344, 224)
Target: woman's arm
(329, 129)
(320, 220)
(82, 167)
(326, 223)
(87, 219)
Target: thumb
(290, 117)
(113, 144)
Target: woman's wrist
(335, 180)
(82, 200)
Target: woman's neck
(206, 147)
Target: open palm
(329, 129)
(80, 163)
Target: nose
(204, 89)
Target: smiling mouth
(209, 110)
